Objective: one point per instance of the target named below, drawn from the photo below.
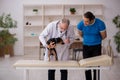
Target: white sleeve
(44, 34)
(71, 34)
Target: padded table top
(103, 60)
(38, 63)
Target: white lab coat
(52, 31)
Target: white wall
(14, 7)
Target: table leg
(92, 73)
(98, 73)
(39, 53)
(26, 74)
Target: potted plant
(116, 21)
(35, 11)
(72, 10)
(7, 40)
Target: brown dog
(52, 51)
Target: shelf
(31, 35)
(73, 15)
(30, 26)
(49, 19)
(31, 50)
(30, 23)
(28, 10)
(78, 8)
(32, 32)
(33, 15)
(31, 46)
(52, 15)
(53, 10)
(96, 9)
(34, 23)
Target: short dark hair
(89, 15)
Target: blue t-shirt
(91, 33)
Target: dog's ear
(49, 41)
(63, 43)
(60, 40)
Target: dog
(52, 51)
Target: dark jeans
(51, 74)
(91, 51)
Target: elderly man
(55, 29)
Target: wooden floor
(8, 72)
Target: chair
(76, 46)
(40, 51)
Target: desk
(27, 65)
(76, 46)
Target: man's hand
(67, 41)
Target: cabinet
(37, 17)
(33, 24)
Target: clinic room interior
(66, 38)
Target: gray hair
(64, 20)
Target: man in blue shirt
(93, 31)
